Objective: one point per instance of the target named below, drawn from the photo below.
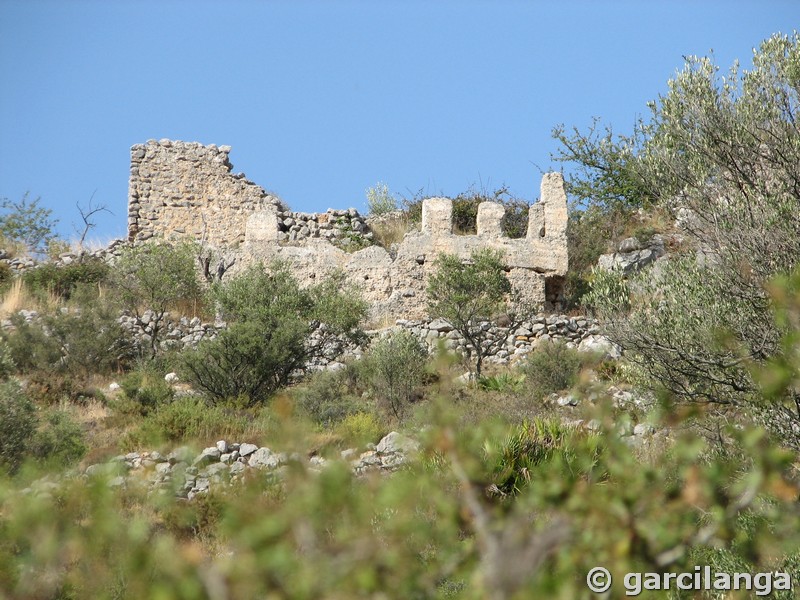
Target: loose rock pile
(176, 335)
(337, 226)
(22, 264)
(582, 333)
(633, 255)
(188, 474)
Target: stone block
(437, 216)
(490, 217)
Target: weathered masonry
(180, 189)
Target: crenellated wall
(187, 189)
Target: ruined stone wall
(395, 285)
(185, 189)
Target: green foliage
(591, 231)
(607, 170)
(465, 211)
(17, 425)
(551, 368)
(185, 420)
(26, 224)
(156, 277)
(63, 280)
(268, 337)
(7, 366)
(720, 153)
(77, 342)
(492, 512)
(59, 442)
(395, 366)
(502, 383)
(380, 201)
(329, 397)
(467, 294)
(360, 428)
(512, 459)
(350, 240)
(146, 389)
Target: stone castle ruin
(180, 189)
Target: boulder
(396, 443)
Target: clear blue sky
(321, 100)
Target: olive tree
(469, 294)
(152, 279)
(722, 155)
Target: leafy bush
(62, 280)
(380, 201)
(328, 397)
(465, 211)
(467, 295)
(268, 338)
(185, 420)
(503, 383)
(156, 277)
(395, 366)
(360, 428)
(146, 389)
(26, 224)
(512, 459)
(17, 425)
(62, 351)
(59, 442)
(551, 368)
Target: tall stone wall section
(184, 189)
(187, 189)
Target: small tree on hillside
(469, 294)
(26, 224)
(152, 279)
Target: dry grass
(392, 231)
(19, 297)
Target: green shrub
(185, 420)
(147, 390)
(29, 345)
(63, 280)
(394, 367)
(360, 428)
(267, 341)
(511, 460)
(380, 201)
(60, 442)
(26, 225)
(156, 277)
(17, 425)
(329, 396)
(79, 341)
(7, 366)
(552, 368)
(503, 383)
